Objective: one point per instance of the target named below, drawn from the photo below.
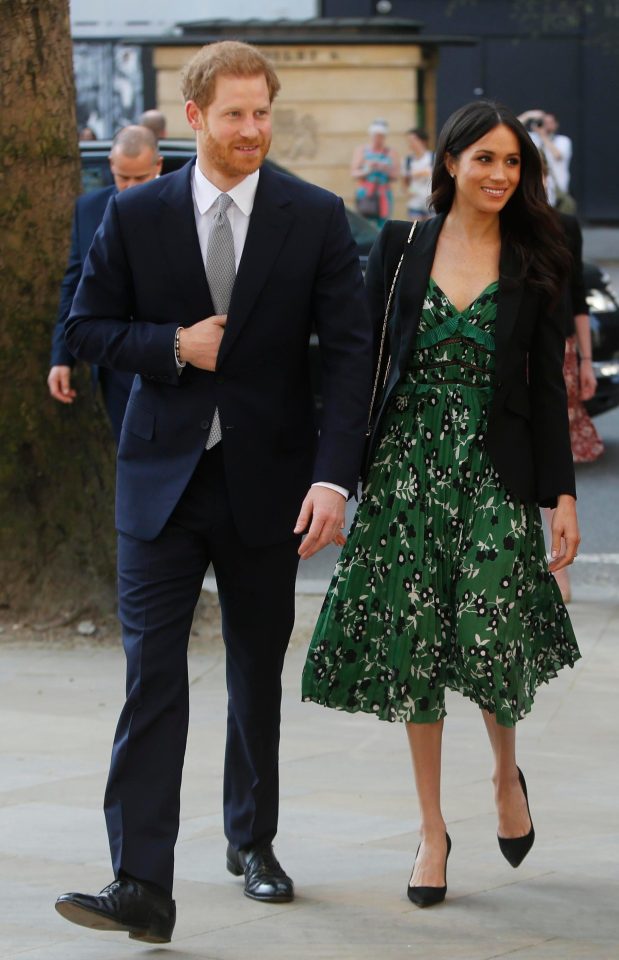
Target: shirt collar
(206, 193)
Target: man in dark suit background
(134, 159)
(207, 284)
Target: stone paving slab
(349, 818)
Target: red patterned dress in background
(586, 442)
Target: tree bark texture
(56, 461)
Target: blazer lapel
(411, 290)
(412, 285)
(180, 241)
(509, 300)
(270, 220)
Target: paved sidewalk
(348, 824)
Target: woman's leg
(425, 741)
(510, 801)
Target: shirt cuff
(332, 486)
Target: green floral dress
(443, 581)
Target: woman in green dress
(443, 581)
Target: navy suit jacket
(528, 431)
(87, 216)
(144, 277)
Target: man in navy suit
(220, 461)
(134, 158)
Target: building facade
(336, 79)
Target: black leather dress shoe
(124, 905)
(264, 878)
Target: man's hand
(322, 516)
(59, 383)
(564, 527)
(199, 344)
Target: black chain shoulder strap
(381, 378)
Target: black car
(604, 312)
(602, 300)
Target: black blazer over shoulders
(528, 432)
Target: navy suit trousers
(159, 586)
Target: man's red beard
(232, 162)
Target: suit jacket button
(205, 424)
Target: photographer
(557, 149)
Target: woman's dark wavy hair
(528, 223)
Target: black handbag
(383, 367)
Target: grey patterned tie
(221, 274)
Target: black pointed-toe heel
(428, 896)
(515, 849)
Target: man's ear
(194, 115)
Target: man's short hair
(154, 120)
(132, 140)
(420, 133)
(227, 58)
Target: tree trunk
(56, 461)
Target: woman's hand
(565, 533)
(588, 383)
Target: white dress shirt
(206, 193)
(243, 195)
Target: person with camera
(557, 149)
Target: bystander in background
(155, 121)
(375, 166)
(134, 159)
(417, 174)
(580, 380)
(557, 150)
(87, 133)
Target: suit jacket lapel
(269, 223)
(180, 241)
(509, 300)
